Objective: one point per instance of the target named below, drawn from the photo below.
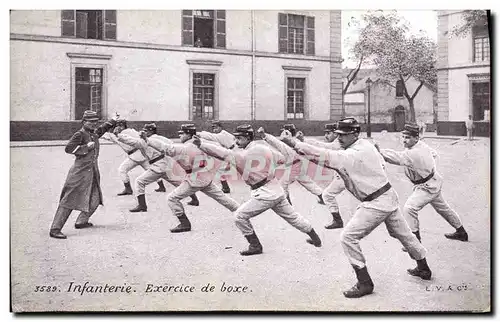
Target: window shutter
(220, 27)
(283, 33)
(68, 23)
(110, 24)
(310, 36)
(187, 27)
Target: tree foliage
(385, 41)
(470, 19)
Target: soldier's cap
(187, 128)
(149, 127)
(244, 130)
(89, 115)
(411, 129)
(330, 127)
(289, 127)
(347, 126)
(216, 123)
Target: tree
(470, 19)
(386, 41)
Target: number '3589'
(45, 288)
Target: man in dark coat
(82, 189)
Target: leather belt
(191, 170)
(258, 184)
(296, 161)
(424, 180)
(158, 158)
(378, 193)
(132, 151)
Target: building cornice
(297, 68)
(464, 67)
(204, 62)
(89, 56)
(161, 47)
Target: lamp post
(369, 128)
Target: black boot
(363, 287)
(225, 186)
(184, 225)
(255, 246)
(417, 234)
(161, 187)
(141, 199)
(460, 234)
(194, 200)
(127, 190)
(320, 200)
(57, 234)
(289, 200)
(422, 270)
(336, 221)
(314, 240)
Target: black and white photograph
(250, 160)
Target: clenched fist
(91, 145)
(300, 136)
(261, 133)
(196, 140)
(288, 140)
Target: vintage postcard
(250, 160)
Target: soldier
(337, 185)
(198, 176)
(225, 139)
(82, 190)
(361, 168)
(294, 164)
(266, 192)
(160, 166)
(135, 157)
(420, 168)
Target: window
(481, 101)
(296, 34)
(399, 88)
(204, 28)
(203, 96)
(89, 24)
(88, 91)
(481, 43)
(295, 98)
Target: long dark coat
(78, 186)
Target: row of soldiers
(359, 167)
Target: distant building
(463, 76)
(176, 65)
(387, 104)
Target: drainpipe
(252, 107)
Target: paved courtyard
(137, 249)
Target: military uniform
(199, 175)
(420, 168)
(134, 159)
(336, 186)
(266, 192)
(160, 166)
(82, 190)
(295, 166)
(364, 176)
(225, 139)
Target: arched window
(399, 88)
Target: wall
(36, 22)
(460, 92)
(266, 27)
(270, 88)
(148, 84)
